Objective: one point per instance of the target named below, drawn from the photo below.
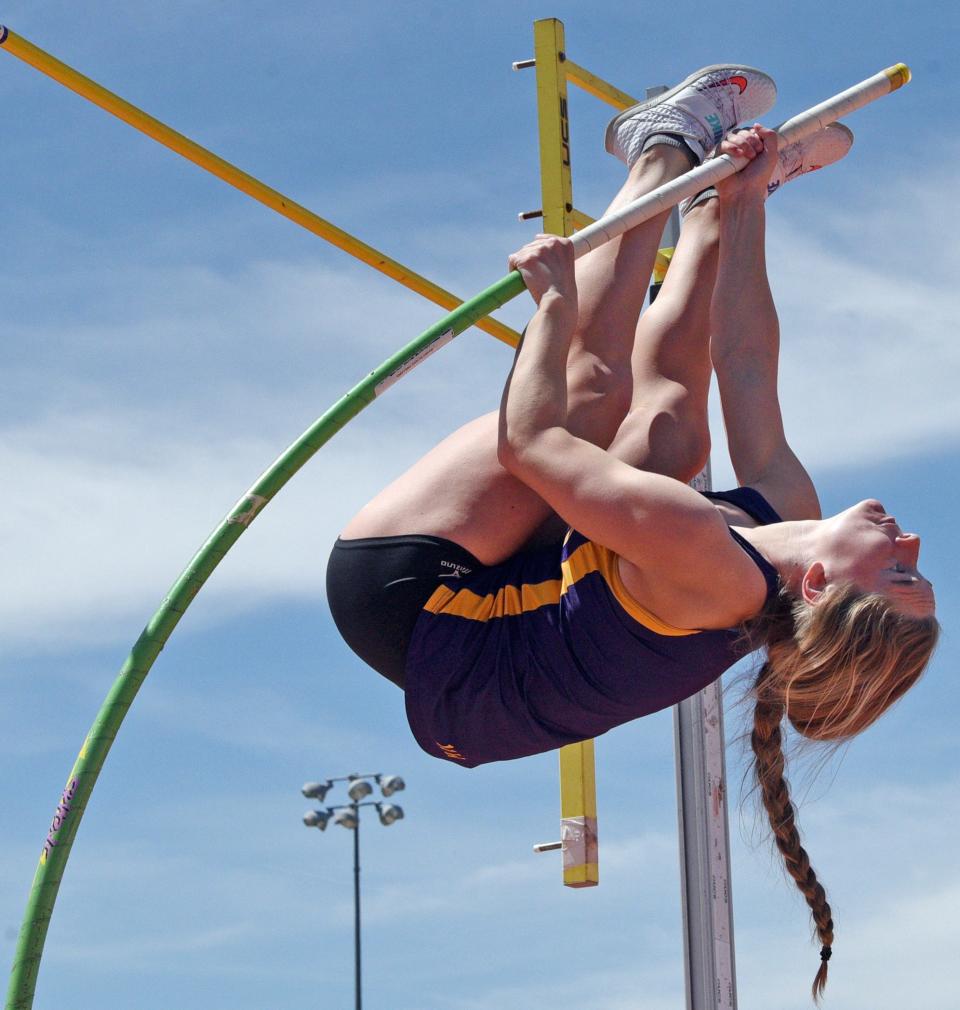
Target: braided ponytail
(767, 745)
(831, 670)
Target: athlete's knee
(687, 440)
(675, 434)
(695, 451)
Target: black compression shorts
(377, 586)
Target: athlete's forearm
(742, 311)
(535, 396)
(745, 336)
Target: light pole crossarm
(388, 813)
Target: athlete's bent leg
(666, 429)
(459, 491)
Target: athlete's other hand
(546, 265)
(759, 146)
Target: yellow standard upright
(578, 784)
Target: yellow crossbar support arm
(130, 114)
(597, 86)
(581, 220)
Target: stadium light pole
(347, 815)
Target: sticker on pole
(411, 363)
(246, 509)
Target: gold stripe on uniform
(509, 601)
(506, 602)
(590, 557)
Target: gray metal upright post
(705, 852)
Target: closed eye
(899, 568)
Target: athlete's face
(866, 546)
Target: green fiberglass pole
(83, 775)
(93, 753)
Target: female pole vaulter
(505, 648)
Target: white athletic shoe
(703, 109)
(823, 148)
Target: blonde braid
(831, 671)
(767, 744)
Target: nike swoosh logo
(740, 82)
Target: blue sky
(164, 338)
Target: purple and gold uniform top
(549, 648)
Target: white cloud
(483, 887)
(145, 951)
(870, 353)
(894, 889)
(626, 989)
(145, 433)
(96, 542)
(107, 512)
(257, 718)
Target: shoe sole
(827, 146)
(676, 89)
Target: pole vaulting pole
(210, 162)
(715, 170)
(93, 753)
